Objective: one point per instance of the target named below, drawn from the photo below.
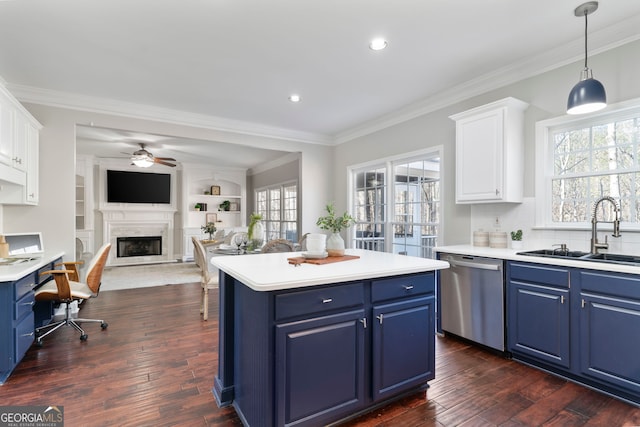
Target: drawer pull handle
(29, 303)
(380, 317)
(27, 335)
(327, 300)
(407, 287)
(364, 322)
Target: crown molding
(52, 98)
(602, 41)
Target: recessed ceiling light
(378, 44)
(294, 98)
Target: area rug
(142, 276)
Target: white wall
(54, 215)
(547, 95)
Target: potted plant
(197, 207)
(516, 239)
(335, 224)
(210, 228)
(255, 231)
(225, 206)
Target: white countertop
(510, 254)
(10, 273)
(269, 272)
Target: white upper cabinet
(19, 151)
(490, 152)
(7, 113)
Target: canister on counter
(498, 239)
(480, 238)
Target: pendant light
(588, 94)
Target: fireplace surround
(139, 237)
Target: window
(397, 204)
(586, 160)
(278, 206)
(416, 207)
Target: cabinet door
(403, 345)
(7, 114)
(319, 369)
(609, 348)
(539, 322)
(479, 157)
(31, 163)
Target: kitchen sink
(584, 256)
(555, 253)
(615, 258)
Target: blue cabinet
(320, 368)
(398, 366)
(539, 313)
(18, 316)
(586, 331)
(608, 330)
(313, 356)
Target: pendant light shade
(588, 94)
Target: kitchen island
(311, 344)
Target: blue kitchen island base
(313, 355)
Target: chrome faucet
(595, 245)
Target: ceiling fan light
(587, 96)
(142, 162)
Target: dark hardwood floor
(155, 365)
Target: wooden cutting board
(321, 261)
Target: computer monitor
(24, 244)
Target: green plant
(210, 228)
(225, 206)
(333, 222)
(197, 206)
(516, 235)
(253, 219)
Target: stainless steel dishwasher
(472, 299)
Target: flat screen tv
(138, 187)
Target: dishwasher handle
(457, 263)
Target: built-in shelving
(197, 187)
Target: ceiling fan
(144, 158)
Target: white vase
(335, 245)
(257, 235)
(516, 244)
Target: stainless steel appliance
(471, 299)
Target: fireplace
(137, 246)
(138, 237)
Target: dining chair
(277, 245)
(207, 279)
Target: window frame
(544, 161)
(389, 164)
(282, 208)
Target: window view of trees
(595, 161)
